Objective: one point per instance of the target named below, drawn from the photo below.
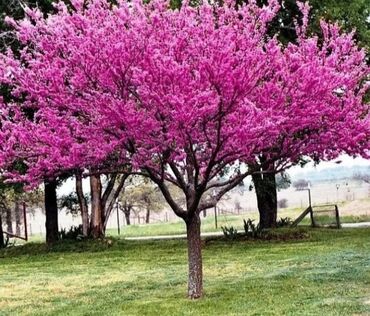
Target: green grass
(208, 224)
(328, 273)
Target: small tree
(301, 184)
(283, 203)
(140, 194)
(149, 198)
(237, 206)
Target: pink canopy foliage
(182, 95)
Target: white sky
(346, 161)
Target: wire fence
(353, 197)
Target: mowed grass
(208, 224)
(328, 273)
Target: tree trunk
(2, 241)
(195, 280)
(18, 217)
(127, 217)
(107, 210)
(205, 213)
(83, 206)
(147, 216)
(265, 186)
(8, 218)
(51, 212)
(96, 207)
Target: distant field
(208, 223)
(348, 210)
(327, 274)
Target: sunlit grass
(329, 273)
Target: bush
(230, 232)
(284, 222)
(251, 230)
(286, 234)
(74, 233)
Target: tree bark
(195, 279)
(8, 218)
(127, 217)
(18, 217)
(51, 211)
(83, 205)
(2, 239)
(96, 207)
(147, 216)
(107, 210)
(265, 186)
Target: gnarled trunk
(265, 186)
(83, 206)
(96, 207)
(51, 211)
(195, 280)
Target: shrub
(74, 233)
(284, 222)
(251, 230)
(230, 232)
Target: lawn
(208, 224)
(327, 273)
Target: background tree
(16, 9)
(13, 200)
(352, 15)
(141, 195)
(283, 181)
(149, 199)
(283, 203)
(100, 206)
(301, 184)
(104, 195)
(103, 199)
(237, 206)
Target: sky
(345, 161)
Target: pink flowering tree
(51, 122)
(188, 97)
(307, 135)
